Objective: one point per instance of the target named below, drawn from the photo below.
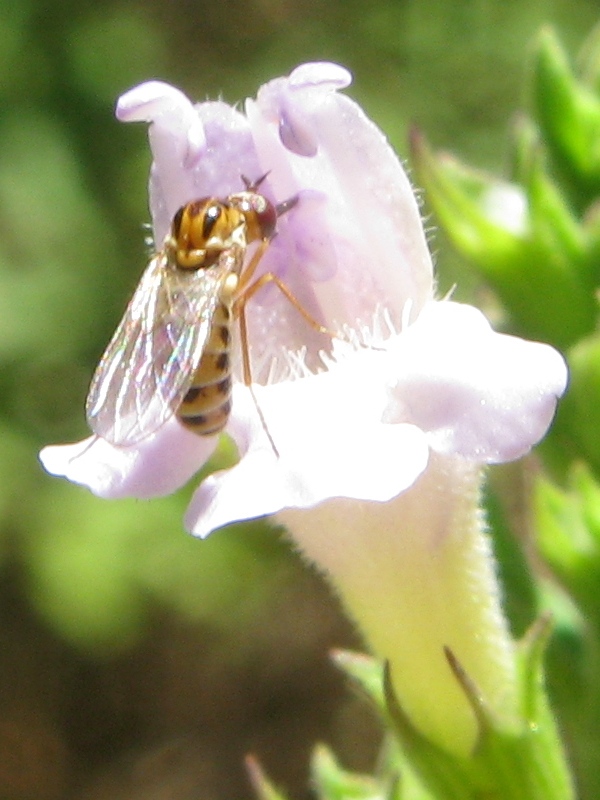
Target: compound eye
(210, 219)
(177, 220)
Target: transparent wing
(150, 361)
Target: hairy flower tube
(393, 418)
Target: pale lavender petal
(231, 152)
(294, 131)
(371, 217)
(178, 141)
(477, 393)
(157, 466)
(318, 456)
(353, 242)
(199, 150)
(159, 102)
(353, 253)
(321, 74)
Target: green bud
(554, 230)
(568, 113)
(524, 242)
(484, 217)
(526, 147)
(334, 783)
(567, 524)
(365, 672)
(577, 424)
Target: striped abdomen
(205, 408)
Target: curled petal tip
(148, 100)
(320, 73)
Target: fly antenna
(286, 205)
(252, 186)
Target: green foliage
(523, 239)
(568, 112)
(334, 783)
(521, 762)
(568, 524)
(534, 239)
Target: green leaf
(523, 762)
(567, 528)
(525, 243)
(365, 672)
(334, 783)
(577, 425)
(568, 113)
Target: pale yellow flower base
(417, 574)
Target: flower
(355, 417)
(369, 446)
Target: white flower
(347, 421)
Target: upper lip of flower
(353, 241)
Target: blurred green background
(134, 660)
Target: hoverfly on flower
(412, 378)
(171, 353)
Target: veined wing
(150, 361)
